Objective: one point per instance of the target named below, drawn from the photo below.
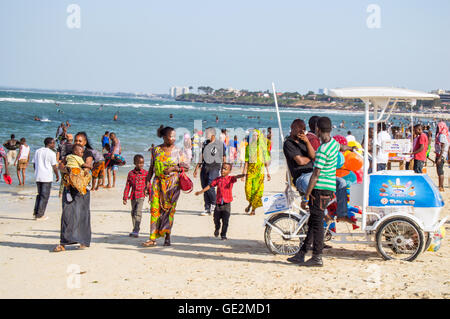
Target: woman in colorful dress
(256, 158)
(167, 162)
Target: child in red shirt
(136, 183)
(224, 198)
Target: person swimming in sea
(37, 118)
(116, 116)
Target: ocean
(139, 119)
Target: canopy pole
(413, 103)
(366, 164)
(374, 136)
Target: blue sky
(148, 46)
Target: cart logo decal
(405, 190)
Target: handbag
(186, 184)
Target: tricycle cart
(399, 209)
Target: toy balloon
(342, 172)
(340, 139)
(352, 162)
(358, 146)
(350, 178)
(359, 176)
(340, 160)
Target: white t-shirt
(382, 157)
(437, 147)
(43, 160)
(350, 138)
(25, 150)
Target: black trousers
(42, 198)
(222, 212)
(318, 202)
(206, 177)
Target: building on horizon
(178, 90)
(444, 95)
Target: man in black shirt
(12, 145)
(299, 155)
(212, 157)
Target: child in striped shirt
(320, 191)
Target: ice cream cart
(399, 209)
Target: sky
(147, 46)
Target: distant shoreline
(438, 115)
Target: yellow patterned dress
(165, 192)
(256, 156)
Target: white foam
(208, 107)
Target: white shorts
(11, 155)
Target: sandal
(149, 243)
(59, 248)
(82, 247)
(252, 213)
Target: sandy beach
(197, 265)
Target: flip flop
(149, 243)
(58, 249)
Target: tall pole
(279, 125)
(278, 112)
(366, 163)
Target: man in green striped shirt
(320, 191)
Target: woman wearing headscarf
(256, 158)
(441, 146)
(76, 210)
(167, 161)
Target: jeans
(136, 213)
(418, 166)
(318, 202)
(341, 192)
(222, 212)
(206, 177)
(42, 198)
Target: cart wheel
(428, 237)
(328, 235)
(399, 238)
(275, 242)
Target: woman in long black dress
(76, 211)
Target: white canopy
(380, 92)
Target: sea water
(139, 119)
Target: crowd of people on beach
(310, 154)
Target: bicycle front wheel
(276, 240)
